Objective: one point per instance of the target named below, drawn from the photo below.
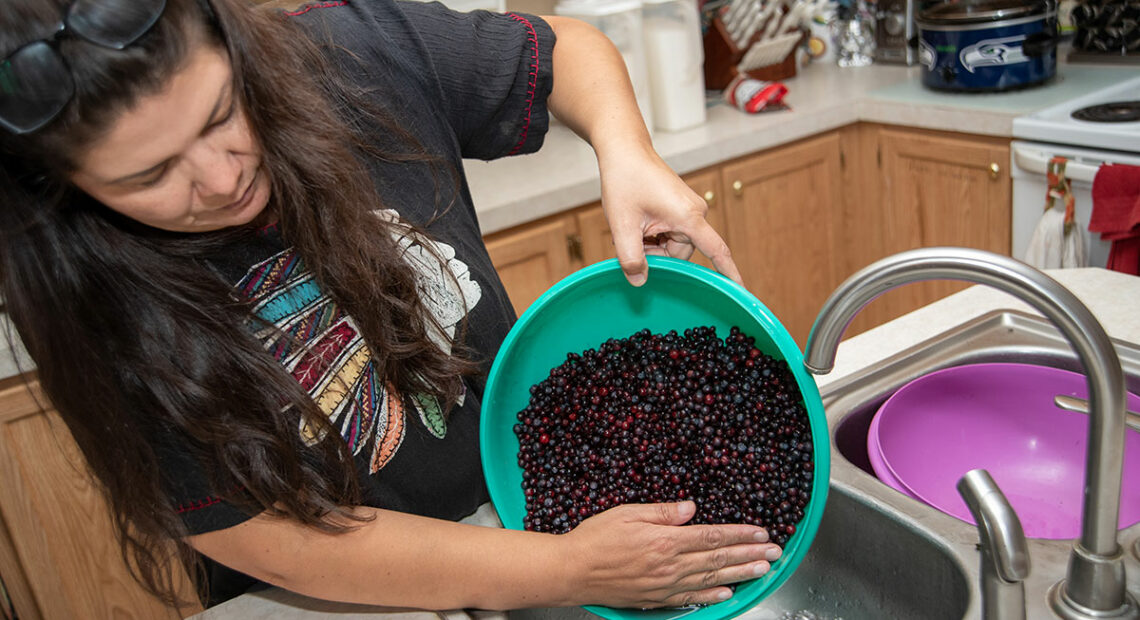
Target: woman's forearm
(397, 560)
(592, 91)
(628, 556)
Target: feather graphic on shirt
(322, 347)
(389, 441)
(431, 414)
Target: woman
(240, 247)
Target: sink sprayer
(1095, 586)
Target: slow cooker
(987, 45)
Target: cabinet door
(532, 258)
(61, 559)
(778, 209)
(940, 190)
(597, 241)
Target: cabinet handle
(995, 170)
(710, 197)
(738, 187)
(574, 246)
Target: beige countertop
(1112, 297)
(563, 174)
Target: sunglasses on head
(35, 82)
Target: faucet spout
(1005, 553)
(1095, 586)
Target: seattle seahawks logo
(993, 52)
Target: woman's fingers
(682, 249)
(698, 538)
(648, 555)
(705, 239)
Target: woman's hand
(649, 208)
(652, 211)
(642, 555)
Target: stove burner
(1114, 112)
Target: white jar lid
(595, 7)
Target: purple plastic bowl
(998, 417)
(882, 471)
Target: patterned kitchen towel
(1056, 241)
(1116, 214)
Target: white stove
(1057, 123)
(1085, 144)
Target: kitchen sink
(1000, 336)
(880, 554)
(865, 563)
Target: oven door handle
(1037, 162)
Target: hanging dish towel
(1116, 214)
(1057, 241)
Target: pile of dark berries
(668, 417)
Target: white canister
(620, 20)
(674, 57)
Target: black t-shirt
(468, 85)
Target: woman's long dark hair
(136, 341)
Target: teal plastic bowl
(596, 303)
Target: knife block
(722, 57)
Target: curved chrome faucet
(1095, 586)
(1005, 553)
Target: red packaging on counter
(752, 95)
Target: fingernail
(637, 279)
(773, 554)
(723, 595)
(760, 569)
(762, 536)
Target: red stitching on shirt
(532, 83)
(324, 5)
(198, 505)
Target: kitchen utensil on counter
(821, 44)
(987, 45)
(775, 16)
(674, 59)
(762, 47)
(758, 12)
(754, 96)
(596, 303)
(1000, 417)
(854, 35)
(894, 28)
(734, 13)
(768, 52)
(620, 21)
(1106, 31)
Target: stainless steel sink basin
(880, 554)
(869, 563)
(865, 563)
(1002, 336)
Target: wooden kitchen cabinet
(801, 218)
(910, 188)
(780, 210)
(58, 554)
(531, 258)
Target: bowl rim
(748, 593)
